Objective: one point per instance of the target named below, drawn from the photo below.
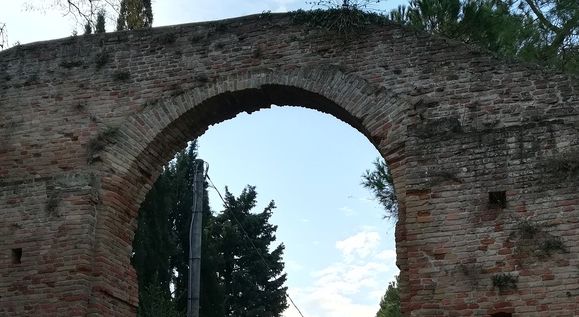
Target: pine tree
(545, 31)
(379, 181)
(252, 280)
(390, 302)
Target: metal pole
(195, 230)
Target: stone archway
(140, 148)
(87, 123)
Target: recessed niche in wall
(17, 256)
(498, 199)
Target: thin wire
(251, 242)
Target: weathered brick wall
(86, 124)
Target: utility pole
(195, 230)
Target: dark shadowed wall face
(484, 156)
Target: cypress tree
(100, 23)
(135, 14)
(153, 246)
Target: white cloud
(348, 211)
(387, 255)
(361, 244)
(283, 5)
(351, 286)
(293, 265)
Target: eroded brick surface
(86, 124)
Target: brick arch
(365, 107)
(456, 125)
(151, 137)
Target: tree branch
(73, 6)
(3, 41)
(542, 17)
(563, 32)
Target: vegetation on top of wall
(343, 20)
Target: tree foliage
(544, 31)
(379, 181)
(100, 22)
(252, 276)
(153, 302)
(161, 241)
(390, 302)
(135, 14)
(99, 25)
(234, 278)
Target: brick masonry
(87, 122)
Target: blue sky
(339, 251)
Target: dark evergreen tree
(233, 275)
(87, 28)
(153, 302)
(99, 26)
(212, 295)
(252, 281)
(135, 14)
(100, 23)
(153, 246)
(161, 243)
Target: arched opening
(311, 165)
(152, 136)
